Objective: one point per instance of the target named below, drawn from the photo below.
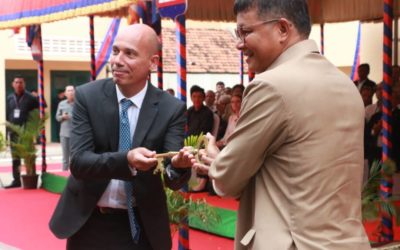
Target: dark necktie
(125, 145)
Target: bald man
(93, 209)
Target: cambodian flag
(172, 8)
(135, 12)
(34, 41)
(105, 50)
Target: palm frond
(181, 207)
(24, 146)
(2, 142)
(371, 200)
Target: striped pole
(160, 65)
(387, 181)
(241, 68)
(181, 62)
(42, 107)
(181, 56)
(92, 55)
(322, 39)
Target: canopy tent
(17, 13)
(321, 11)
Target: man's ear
(154, 61)
(284, 28)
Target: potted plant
(373, 204)
(24, 146)
(180, 205)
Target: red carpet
(24, 217)
(373, 228)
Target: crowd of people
(373, 133)
(215, 112)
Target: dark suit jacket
(96, 160)
(372, 151)
(396, 137)
(367, 82)
(26, 104)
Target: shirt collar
(136, 99)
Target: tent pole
(160, 64)
(322, 38)
(396, 41)
(387, 180)
(180, 22)
(92, 56)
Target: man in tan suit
(295, 160)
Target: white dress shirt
(114, 196)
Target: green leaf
(371, 200)
(24, 146)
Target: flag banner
(356, 62)
(105, 50)
(34, 41)
(15, 13)
(136, 12)
(172, 8)
(155, 18)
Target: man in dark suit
(18, 106)
(364, 82)
(93, 209)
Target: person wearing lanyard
(18, 106)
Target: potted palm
(373, 204)
(180, 205)
(24, 146)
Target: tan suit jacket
(296, 157)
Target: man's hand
(183, 159)
(206, 156)
(212, 148)
(142, 159)
(65, 116)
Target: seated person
(236, 101)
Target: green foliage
(2, 142)
(371, 201)
(24, 147)
(181, 206)
(195, 141)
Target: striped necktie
(125, 145)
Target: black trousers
(107, 232)
(16, 161)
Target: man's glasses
(242, 32)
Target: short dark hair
(238, 86)
(220, 83)
(364, 65)
(18, 76)
(295, 11)
(196, 88)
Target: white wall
(340, 44)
